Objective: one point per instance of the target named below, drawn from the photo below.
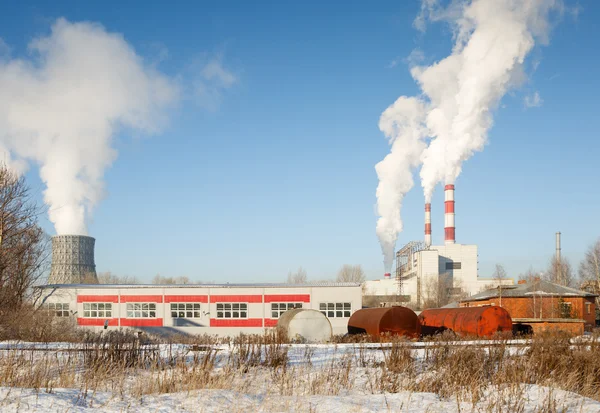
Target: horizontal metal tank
(304, 325)
(466, 321)
(396, 320)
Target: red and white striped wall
(258, 302)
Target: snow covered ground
(260, 389)
(534, 399)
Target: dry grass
(126, 365)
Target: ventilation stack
(449, 229)
(428, 224)
(73, 260)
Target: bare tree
(298, 277)
(560, 272)
(437, 291)
(499, 277)
(351, 273)
(589, 272)
(589, 269)
(110, 278)
(24, 247)
(529, 275)
(160, 280)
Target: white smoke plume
(61, 106)
(492, 40)
(403, 124)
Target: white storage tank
(306, 326)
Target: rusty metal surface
(392, 320)
(466, 321)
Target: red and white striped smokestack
(428, 224)
(449, 215)
(387, 275)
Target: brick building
(540, 305)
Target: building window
(97, 310)
(277, 309)
(185, 310)
(232, 310)
(453, 265)
(565, 310)
(141, 310)
(57, 309)
(337, 310)
(588, 308)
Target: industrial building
(218, 309)
(541, 305)
(423, 269)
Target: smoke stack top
(449, 227)
(428, 224)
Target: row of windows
(141, 310)
(232, 310)
(192, 310)
(453, 265)
(57, 309)
(97, 310)
(277, 309)
(185, 310)
(336, 310)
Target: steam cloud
(61, 107)
(492, 40)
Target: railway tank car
(400, 321)
(466, 321)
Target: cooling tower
(72, 260)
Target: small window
(588, 308)
(453, 265)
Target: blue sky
(278, 171)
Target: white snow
(262, 394)
(533, 399)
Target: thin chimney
(428, 224)
(449, 229)
(558, 247)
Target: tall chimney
(558, 247)
(72, 260)
(428, 224)
(449, 228)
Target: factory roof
(223, 285)
(529, 289)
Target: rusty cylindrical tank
(466, 321)
(397, 320)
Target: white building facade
(220, 309)
(422, 266)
